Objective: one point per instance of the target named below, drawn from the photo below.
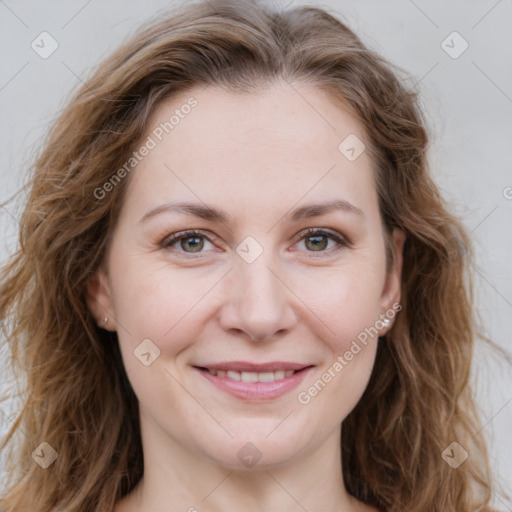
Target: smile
(255, 382)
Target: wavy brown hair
(76, 394)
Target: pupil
(319, 242)
(195, 243)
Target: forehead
(277, 143)
(299, 115)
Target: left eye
(317, 240)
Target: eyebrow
(213, 214)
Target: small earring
(386, 322)
(106, 320)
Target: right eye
(189, 242)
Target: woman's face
(252, 292)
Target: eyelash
(310, 232)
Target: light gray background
(468, 101)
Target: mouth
(249, 381)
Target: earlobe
(99, 300)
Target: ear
(393, 284)
(99, 300)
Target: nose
(257, 301)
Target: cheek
(159, 302)
(346, 301)
(342, 384)
(348, 307)
(349, 303)
(163, 305)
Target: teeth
(253, 376)
(270, 376)
(249, 376)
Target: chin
(256, 450)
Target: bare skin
(305, 299)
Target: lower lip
(257, 391)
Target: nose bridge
(259, 302)
(259, 285)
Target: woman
(237, 287)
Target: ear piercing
(386, 322)
(105, 320)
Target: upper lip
(245, 366)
